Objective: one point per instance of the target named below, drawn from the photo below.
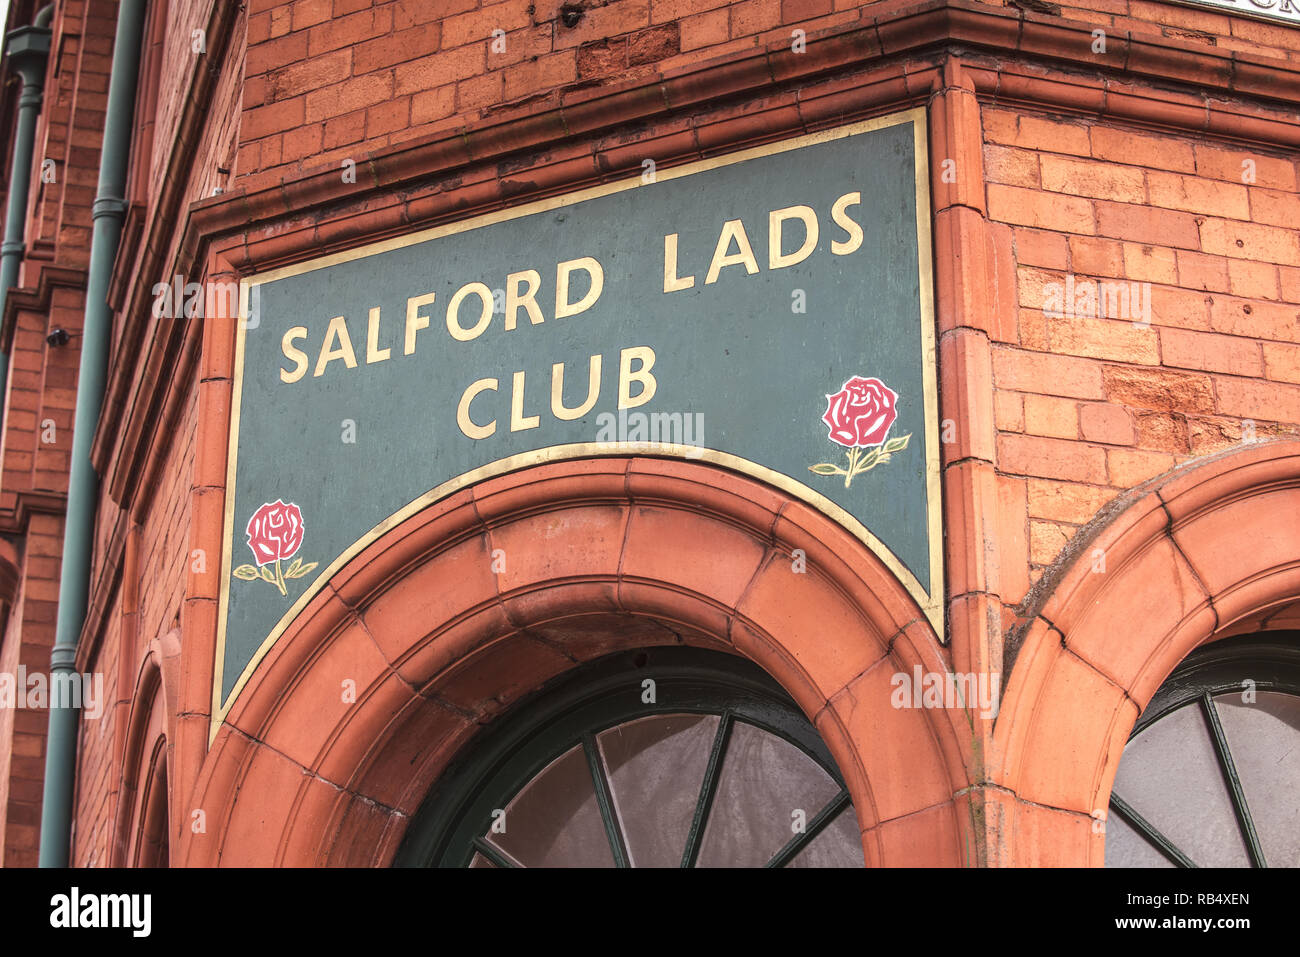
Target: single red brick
(1250, 241)
(1245, 167)
(273, 118)
(1210, 352)
(1013, 167)
(1027, 207)
(1119, 145)
(1143, 224)
(1051, 458)
(1034, 132)
(1253, 280)
(1090, 256)
(1040, 248)
(1051, 416)
(1130, 467)
(1199, 271)
(1105, 423)
(1086, 177)
(1261, 401)
(1046, 374)
(1281, 361)
(705, 29)
(1065, 501)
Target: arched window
(655, 758)
(1210, 775)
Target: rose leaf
(825, 468)
(266, 575)
(247, 572)
(301, 571)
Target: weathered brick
(1046, 539)
(1158, 389)
(1014, 167)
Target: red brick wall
(1087, 407)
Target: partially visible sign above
(768, 311)
(1285, 10)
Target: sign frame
(929, 596)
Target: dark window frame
(1272, 661)
(500, 760)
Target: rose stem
(279, 579)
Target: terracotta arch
(593, 555)
(144, 796)
(1184, 559)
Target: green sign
(768, 311)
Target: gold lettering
(775, 258)
(562, 305)
(414, 321)
(557, 391)
(671, 282)
(373, 352)
(514, 300)
(468, 425)
(646, 356)
(458, 332)
(842, 220)
(518, 421)
(731, 229)
(338, 330)
(297, 355)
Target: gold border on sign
(930, 599)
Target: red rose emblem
(275, 532)
(861, 413)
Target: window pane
(838, 845)
(1264, 738)
(555, 820)
(1170, 776)
(1125, 847)
(765, 779)
(655, 767)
